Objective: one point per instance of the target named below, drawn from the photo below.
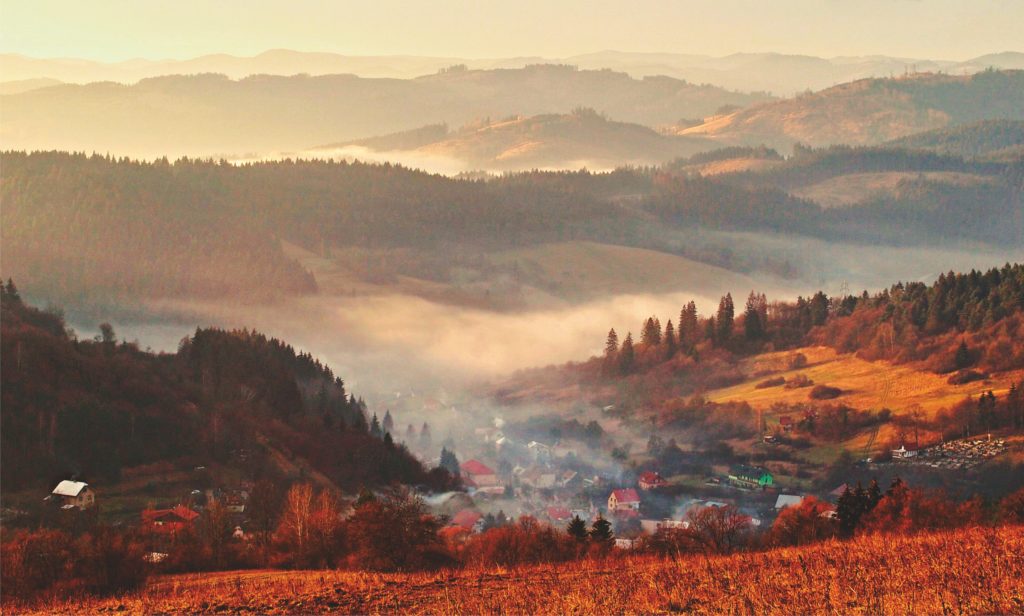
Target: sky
(113, 30)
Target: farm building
(73, 495)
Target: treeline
(79, 226)
(392, 531)
(989, 137)
(94, 407)
(965, 325)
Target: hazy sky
(123, 29)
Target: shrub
(775, 382)
(825, 392)
(798, 381)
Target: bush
(798, 381)
(825, 392)
(961, 377)
(775, 382)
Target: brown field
(866, 384)
(958, 572)
(856, 188)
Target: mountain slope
(872, 111)
(580, 139)
(213, 115)
(991, 138)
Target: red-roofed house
(168, 521)
(559, 514)
(786, 422)
(467, 519)
(479, 473)
(650, 480)
(624, 500)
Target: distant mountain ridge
(872, 111)
(780, 74)
(212, 115)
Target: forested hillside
(94, 407)
(872, 111)
(989, 138)
(79, 227)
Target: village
(507, 475)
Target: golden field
(866, 384)
(966, 571)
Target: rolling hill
(210, 114)
(989, 139)
(872, 111)
(582, 138)
(780, 74)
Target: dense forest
(94, 407)
(77, 226)
(963, 325)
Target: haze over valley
(708, 307)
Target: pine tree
(688, 333)
(601, 530)
(449, 462)
(425, 440)
(725, 318)
(375, 427)
(962, 359)
(670, 341)
(410, 434)
(753, 327)
(650, 335)
(577, 529)
(389, 424)
(611, 345)
(627, 355)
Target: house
(168, 521)
(787, 500)
(903, 453)
(73, 495)
(559, 515)
(469, 520)
(835, 494)
(624, 500)
(540, 451)
(652, 526)
(650, 480)
(750, 477)
(569, 479)
(479, 474)
(626, 544)
(539, 478)
(786, 422)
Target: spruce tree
(389, 424)
(724, 318)
(577, 529)
(375, 427)
(601, 530)
(670, 341)
(627, 356)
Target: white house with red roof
(479, 474)
(650, 480)
(625, 499)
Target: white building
(74, 495)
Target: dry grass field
(866, 384)
(588, 269)
(856, 188)
(958, 572)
